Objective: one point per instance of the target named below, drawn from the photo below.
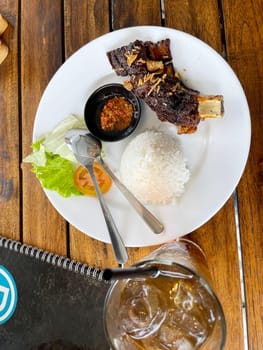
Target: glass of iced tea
(176, 310)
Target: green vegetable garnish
(57, 175)
(52, 160)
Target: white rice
(153, 168)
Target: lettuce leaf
(54, 140)
(38, 157)
(53, 162)
(57, 175)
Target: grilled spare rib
(152, 77)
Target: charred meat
(152, 77)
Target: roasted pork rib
(153, 79)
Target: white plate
(216, 154)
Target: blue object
(8, 295)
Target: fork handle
(118, 246)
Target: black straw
(130, 272)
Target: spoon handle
(155, 225)
(118, 246)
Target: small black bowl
(94, 106)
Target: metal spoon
(85, 155)
(94, 148)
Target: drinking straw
(130, 272)
(142, 272)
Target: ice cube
(183, 344)
(143, 311)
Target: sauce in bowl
(112, 112)
(116, 114)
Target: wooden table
(41, 36)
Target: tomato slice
(84, 183)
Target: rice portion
(153, 168)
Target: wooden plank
(218, 236)
(84, 21)
(126, 13)
(9, 131)
(195, 18)
(244, 32)
(217, 239)
(41, 56)
(94, 19)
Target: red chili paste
(116, 114)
